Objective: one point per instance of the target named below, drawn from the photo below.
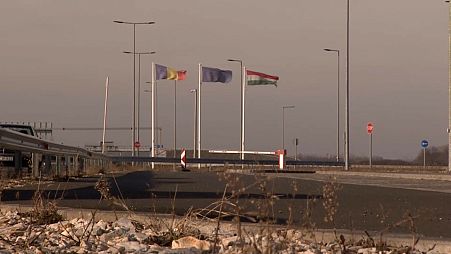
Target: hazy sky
(55, 56)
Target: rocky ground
(45, 229)
(25, 233)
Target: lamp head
(234, 60)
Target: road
(365, 201)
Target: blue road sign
(424, 143)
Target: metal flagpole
(243, 85)
(152, 149)
(371, 150)
(338, 105)
(199, 115)
(138, 102)
(157, 140)
(175, 119)
(105, 114)
(195, 122)
(134, 91)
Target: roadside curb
(320, 235)
(416, 176)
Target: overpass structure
(74, 160)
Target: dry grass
(261, 240)
(44, 211)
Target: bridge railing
(218, 161)
(68, 158)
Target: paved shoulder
(415, 181)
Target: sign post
(136, 145)
(424, 145)
(369, 130)
(296, 143)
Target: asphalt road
(364, 202)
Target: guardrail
(214, 161)
(72, 159)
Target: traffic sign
(369, 128)
(137, 144)
(424, 143)
(183, 158)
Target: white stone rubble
(19, 235)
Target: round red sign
(369, 128)
(137, 144)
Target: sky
(56, 54)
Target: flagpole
(105, 114)
(175, 119)
(199, 115)
(138, 102)
(152, 149)
(158, 131)
(347, 93)
(242, 72)
(243, 85)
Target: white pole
(175, 119)
(105, 114)
(195, 123)
(157, 129)
(338, 105)
(152, 149)
(243, 85)
(424, 157)
(138, 113)
(295, 150)
(449, 88)
(199, 115)
(371, 150)
(347, 93)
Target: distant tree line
(435, 156)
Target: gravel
(18, 234)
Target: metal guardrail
(23, 143)
(75, 157)
(118, 159)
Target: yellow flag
(172, 74)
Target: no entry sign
(369, 128)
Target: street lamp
(449, 87)
(338, 99)
(347, 92)
(195, 121)
(159, 130)
(139, 87)
(242, 106)
(134, 74)
(283, 124)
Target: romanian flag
(163, 72)
(257, 78)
